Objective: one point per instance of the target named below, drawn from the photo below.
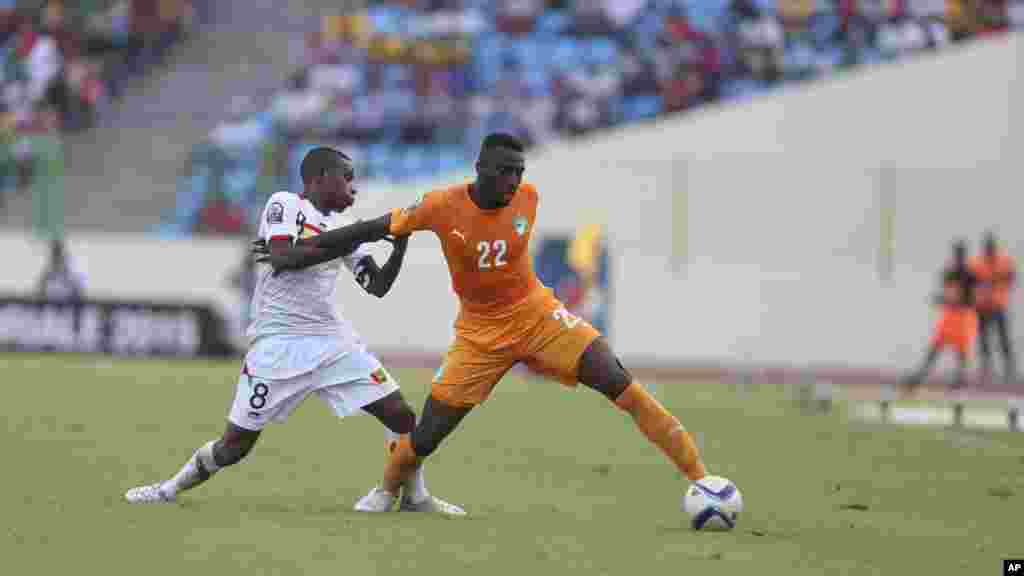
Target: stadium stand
(63, 63)
(409, 87)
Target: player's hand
(260, 247)
(397, 240)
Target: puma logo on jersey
(459, 234)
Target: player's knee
(601, 370)
(618, 379)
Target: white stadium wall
(805, 228)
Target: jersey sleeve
(424, 214)
(280, 216)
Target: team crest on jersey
(379, 376)
(520, 223)
(275, 213)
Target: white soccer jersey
(294, 327)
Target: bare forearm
(346, 239)
(301, 255)
(387, 275)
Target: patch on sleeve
(275, 213)
(379, 376)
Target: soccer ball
(713, 503)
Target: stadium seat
(536, 58)
(636, 108)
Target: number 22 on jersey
(492, 254)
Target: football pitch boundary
(871, 394)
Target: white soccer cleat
(431, 504)
(151, 494)
(378, 500)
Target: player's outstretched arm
(378, 281)
(344, 240)
(282, 255)
(327, 246)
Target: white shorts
(345, 385)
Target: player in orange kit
(506, 316)
(997, 275)
(957, 327)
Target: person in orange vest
(957, 327)
(997, 275)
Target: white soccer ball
(713, 503)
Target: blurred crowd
(62, 61)
(410, 86)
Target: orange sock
(662, 429)
(401, 464)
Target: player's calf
(601, 370)
(232, 447)
(436, 423)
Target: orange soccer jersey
(957, 328)
(507, 315)
(994, 280)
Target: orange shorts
(957, 327)
(544, 336)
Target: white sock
(415, 488)
(199, 468)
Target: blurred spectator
(639, 74)
(795, 15)
(760, 46)
(221, 217)
(238, 131)
(623, 14)
(514, 108)
(857, 29)
(903, 34)
(39, 62)
(688, 61)
(60, 60)
(590, 17)
(517, 17)
(61, 279)
(969, 18)
(412, 85)
(1015, 14)
(243, 280)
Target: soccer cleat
(151, 494)
(431, 504)
(378, 500)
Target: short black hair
(502, 140)
(319, 160)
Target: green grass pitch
(556, 481)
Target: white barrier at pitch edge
(957, 413)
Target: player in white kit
(300, 346)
